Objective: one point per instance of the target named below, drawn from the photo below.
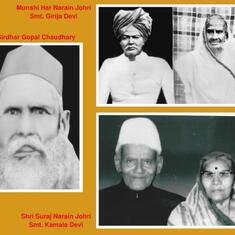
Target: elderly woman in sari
(134, 77)
(208, 72)
(211, 201)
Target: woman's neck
(224, 206)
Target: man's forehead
(132, 149)
(27, 89)
(131, 31)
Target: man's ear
(117, 162)
(65, 122)
(159, 164)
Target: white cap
(33, 59)
(139, 131)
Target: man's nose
(131, 40)
(139, 167)
(26, 125)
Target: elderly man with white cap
(35, 152)
(134, 77)
(135, 201)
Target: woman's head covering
(137, 18)
(221, 217)
(198, 209)
(216, 155)
(216, 17)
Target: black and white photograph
(203, 54)
(165, 170)
(134, 55)
(40, 117)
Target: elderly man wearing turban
(35, 152)
(135, 201)
(134, 77)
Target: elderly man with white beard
(35, 152)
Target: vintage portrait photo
(134, 60)
(165, 170)
(40, 117)
(204, 51)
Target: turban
(137, 18)
(139, 131)
(33, 60)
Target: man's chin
(53, 165)
(132, 53)
(137, 186)
(27, 173)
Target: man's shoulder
(112, 60)
(109, 190)
(110, 194)
(168, 196)
(158, 63)
(157, 60)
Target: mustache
(17, 144)
(130, 47)
(58, 167)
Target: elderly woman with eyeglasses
(211, 202)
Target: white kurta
(135, 82)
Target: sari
(207, 79)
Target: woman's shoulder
(178, 215)
(185, 58)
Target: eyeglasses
(222, 175)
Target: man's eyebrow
(7, 108)
(131, 35)
(50, 109)
(47, 107)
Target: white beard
(55, 166)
